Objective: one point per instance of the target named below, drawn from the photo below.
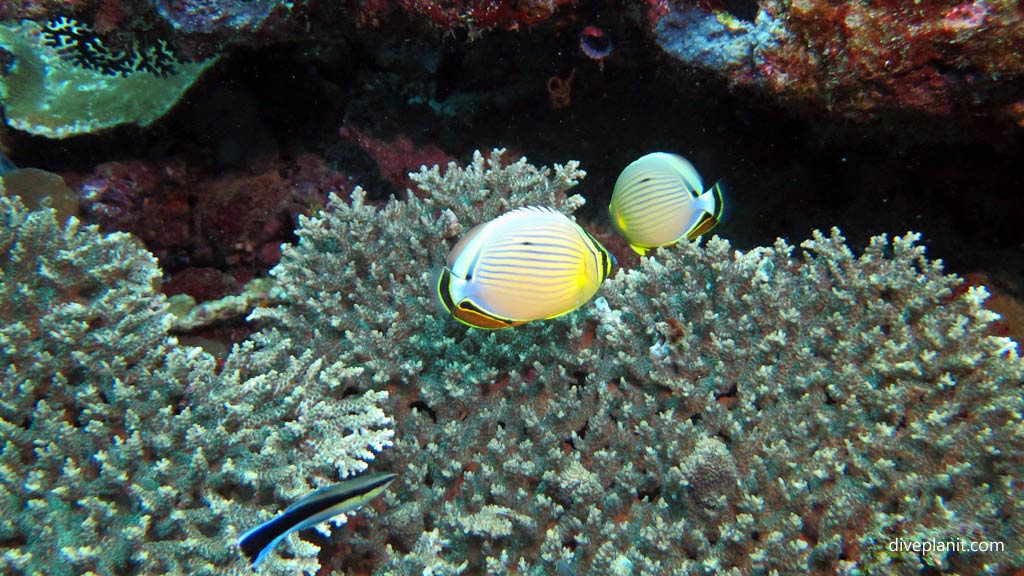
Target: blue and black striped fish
(317, 507)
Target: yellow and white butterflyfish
(531, 263)
(659, 200)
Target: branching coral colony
(712, 412)
(123, 452)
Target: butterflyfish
(310, 510)
(660, 199)
(532, 263)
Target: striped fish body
(532, 263)
(659, 200)
(308, 511)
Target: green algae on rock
(64, 81)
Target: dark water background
(959, 181)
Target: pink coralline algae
(965, 17)
(189, 218)
(860, 59)
(126, 196)
(482, 14)
(397, 157)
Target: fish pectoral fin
(472, 315)
(703, 226)
(641, 250)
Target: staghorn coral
(716, 412)
(123, 452)
(190, 315)
(355, 285)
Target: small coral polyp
(594, 42)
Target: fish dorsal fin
(474, 234)
(533, 209)
(687, 173)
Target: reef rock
(861, 60)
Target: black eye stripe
(444, 290)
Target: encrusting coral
(713, 411)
